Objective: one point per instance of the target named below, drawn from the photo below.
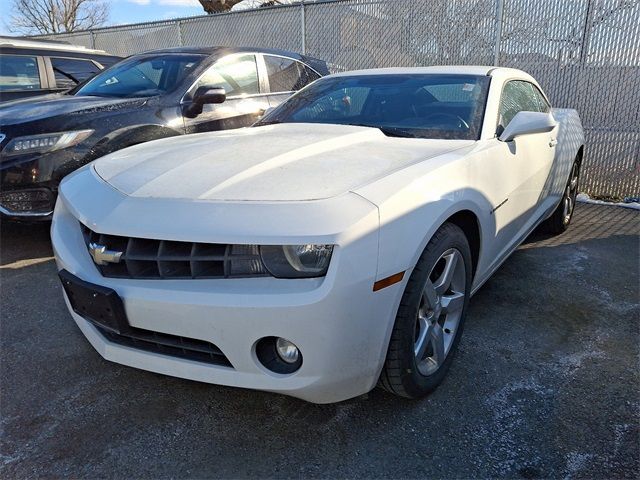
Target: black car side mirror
(202, 96)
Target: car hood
(283, 162)
(37, 108)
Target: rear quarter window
(287, 75)
(71, 71)
(19, 72)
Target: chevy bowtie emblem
(102, 256)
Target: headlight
(47, 142)
(295, 261)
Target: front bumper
(339, 324)
(29, 183)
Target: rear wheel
(431, 316)
(560, 220)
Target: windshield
(141, 77)
(402, 105)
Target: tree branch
(57, 16)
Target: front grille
(166, 259)
(165, 344)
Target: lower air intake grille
(143, 258)
(172, 345)
(37, 201)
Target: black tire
(400, 374)
(559, 220)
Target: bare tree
(219, 6)
(57, 16)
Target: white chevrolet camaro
(331, 247)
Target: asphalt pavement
(546, 383)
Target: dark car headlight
(47, 142)
(296, 261)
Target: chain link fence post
(499, 19)
(303, 28)
(584, 46)
(180, 35)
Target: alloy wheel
(570, 194)
(440, 311)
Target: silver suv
(31, 67)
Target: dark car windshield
(141, 76)
(401, 105)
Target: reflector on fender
(387, 282)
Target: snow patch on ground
(507, 407)
(502, 436)
(576, 462)
(584, 198)
(619, 432)
(573, 263)
(566, 365)
(604, 297)
(576, 260)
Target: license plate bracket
(95, 303)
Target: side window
(71, 71)
(518, 96)
(308, 75)
(287, 75)
(106, 62)
(237, 74)
(19, 73)
(543, 105)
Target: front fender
(415, 202)
(403, 238)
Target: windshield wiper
(397, 132)
(388, 131)
(260, 123)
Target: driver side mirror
(205, 95)
(525, 123)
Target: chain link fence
(584, 53)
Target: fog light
(287, 351)
(278, 355)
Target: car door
(246, 99)
(286, 76)
(534, 153)
(520, 169)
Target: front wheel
(431, 316)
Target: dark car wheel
(560, 220)
(431, 316)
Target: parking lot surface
(545, 384)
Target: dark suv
(35, 67)
(145, 97)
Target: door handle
(553, 142)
